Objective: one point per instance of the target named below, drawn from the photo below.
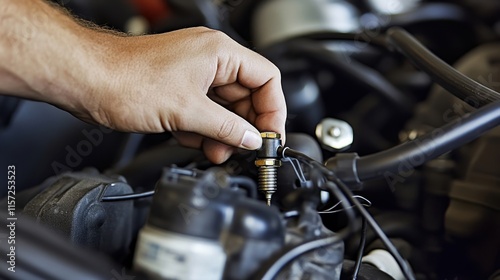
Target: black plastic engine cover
(71, 204)
(201, 204)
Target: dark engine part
(325, 263)
(472, 219)
(461, 188)
(367, 272)
(8, 106)
(197, 218)
(35, 253)
(71, 205)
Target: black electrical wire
(442, 140)
(242, 182)
(373, 224)
(126, 196)
(273, 268)
(287, 152)
(463, 87)
(361, 249)
(299, 250)
(369, 219)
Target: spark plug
(268, 162)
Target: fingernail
(227, 155)
(251, 140)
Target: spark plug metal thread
(268, 162)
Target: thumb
(216, 122)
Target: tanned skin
(198, 83)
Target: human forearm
(46, 55)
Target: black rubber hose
(245, 183)
(364, 75)
(468, 90)
(367, 37)
(404, 157)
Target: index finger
(264, 81)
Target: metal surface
(334, 134)
(270, 135)
(393, 7)
(279, 20)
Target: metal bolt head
(413, 134)
(335, 132)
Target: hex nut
(268, 162)
(271, 135)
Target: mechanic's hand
(190, 82)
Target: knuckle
(219, 35)
(202, 29)
(204, 32)
(276, 71)
(215, 38)
(211, 34)
(208, 43)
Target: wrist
(87, 74)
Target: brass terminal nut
(268, 162)
(270, 135)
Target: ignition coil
(268, 160)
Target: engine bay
(389, 169)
